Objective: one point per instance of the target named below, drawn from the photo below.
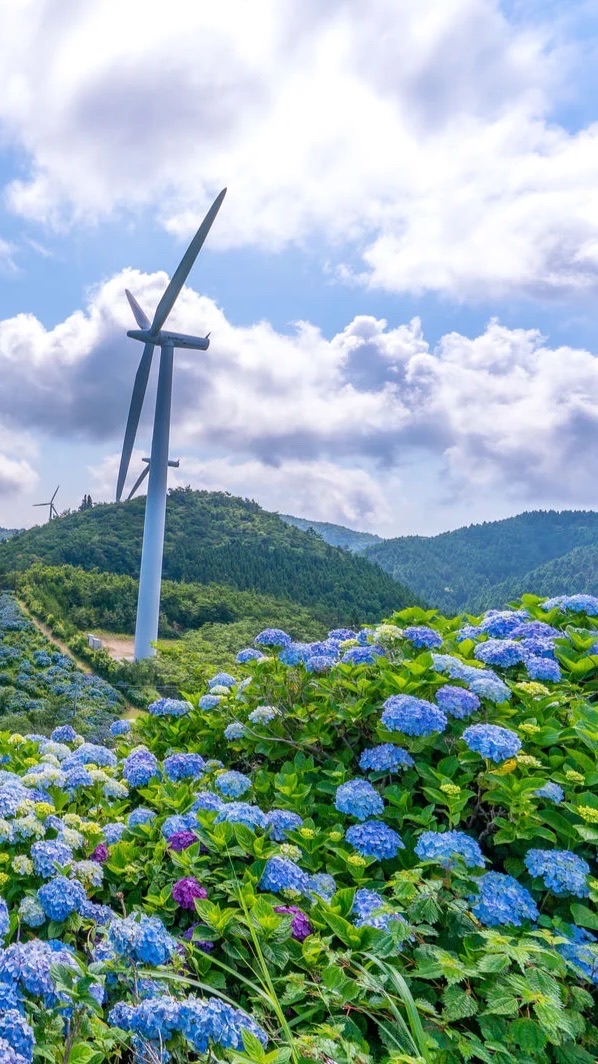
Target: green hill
(214, 537)
(572, 573)
(485, 565)
(6, 533)
(336, 535)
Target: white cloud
(338, 424)
(420, 136)
(17, 477)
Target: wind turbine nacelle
(170, 339)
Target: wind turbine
(151, 335)
(142, 476)
(53, 511)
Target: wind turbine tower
(152, 335)
(53, 512)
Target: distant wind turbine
(53, 511)
(142, 476)
(151, 335)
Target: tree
(86, 503)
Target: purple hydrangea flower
(181, 840)
(186, 890)
(300, 925)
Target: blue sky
(401, 283)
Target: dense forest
(486, 565)
(6, 533)
(213, 537)
(336, 535)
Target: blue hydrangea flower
(15, 1031)
(341, 634)
(140, 767)
(385, 758)
(4, 919)
(320, 662)
(184, 766)
(322, 885)
(280, 821)
(113, 832)
(372, 910)
(169, 707)
(505, 652)
(412, 716)
(581, 951)
(242, 813)
(552, 791)
(248, 654)
(538, 646)
(60, 897)
(222, 679)
(359, 799)
(502, 900)
(272, 637)
(489, 740)
(295, 653)
(140, 816)
(209, 701)
(374, 839)
(210, 1019)
(543, 669)
(282, 874)
(362, 655)
(141, 938)
(422, 636)
(443, 846)
(92, 754)
(50, 856)
(31, 912)
(364, 636)
(561, 871)
(487, 685)
(236, 730)
(587, 604)
(232, 784)
(178, 822)
(120, 727)
(502, 623)
(207, 800)
(64, 734)
(457, 701)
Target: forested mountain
(214, 537)
(574, 572)
(336, 535)
(487, 564)
(6, 533)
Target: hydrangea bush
(355, 861)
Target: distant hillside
(213, 537)
(488, 564)
(574, 572)
(6, 533)
(336, 535)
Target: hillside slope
(213, 537)
(335, 535)
(491, 562)
(6, 533)
(572, 573)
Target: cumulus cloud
(17, 477)
(499, 412)
(417, 141)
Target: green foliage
(214, 537)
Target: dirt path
(82, 665)
(120, 647)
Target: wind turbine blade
(40, 503)
(183, 269)
(141, 379)
(140, 316)
(54, 495)
(138, 482)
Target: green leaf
(584, 916)
(528, 1035)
